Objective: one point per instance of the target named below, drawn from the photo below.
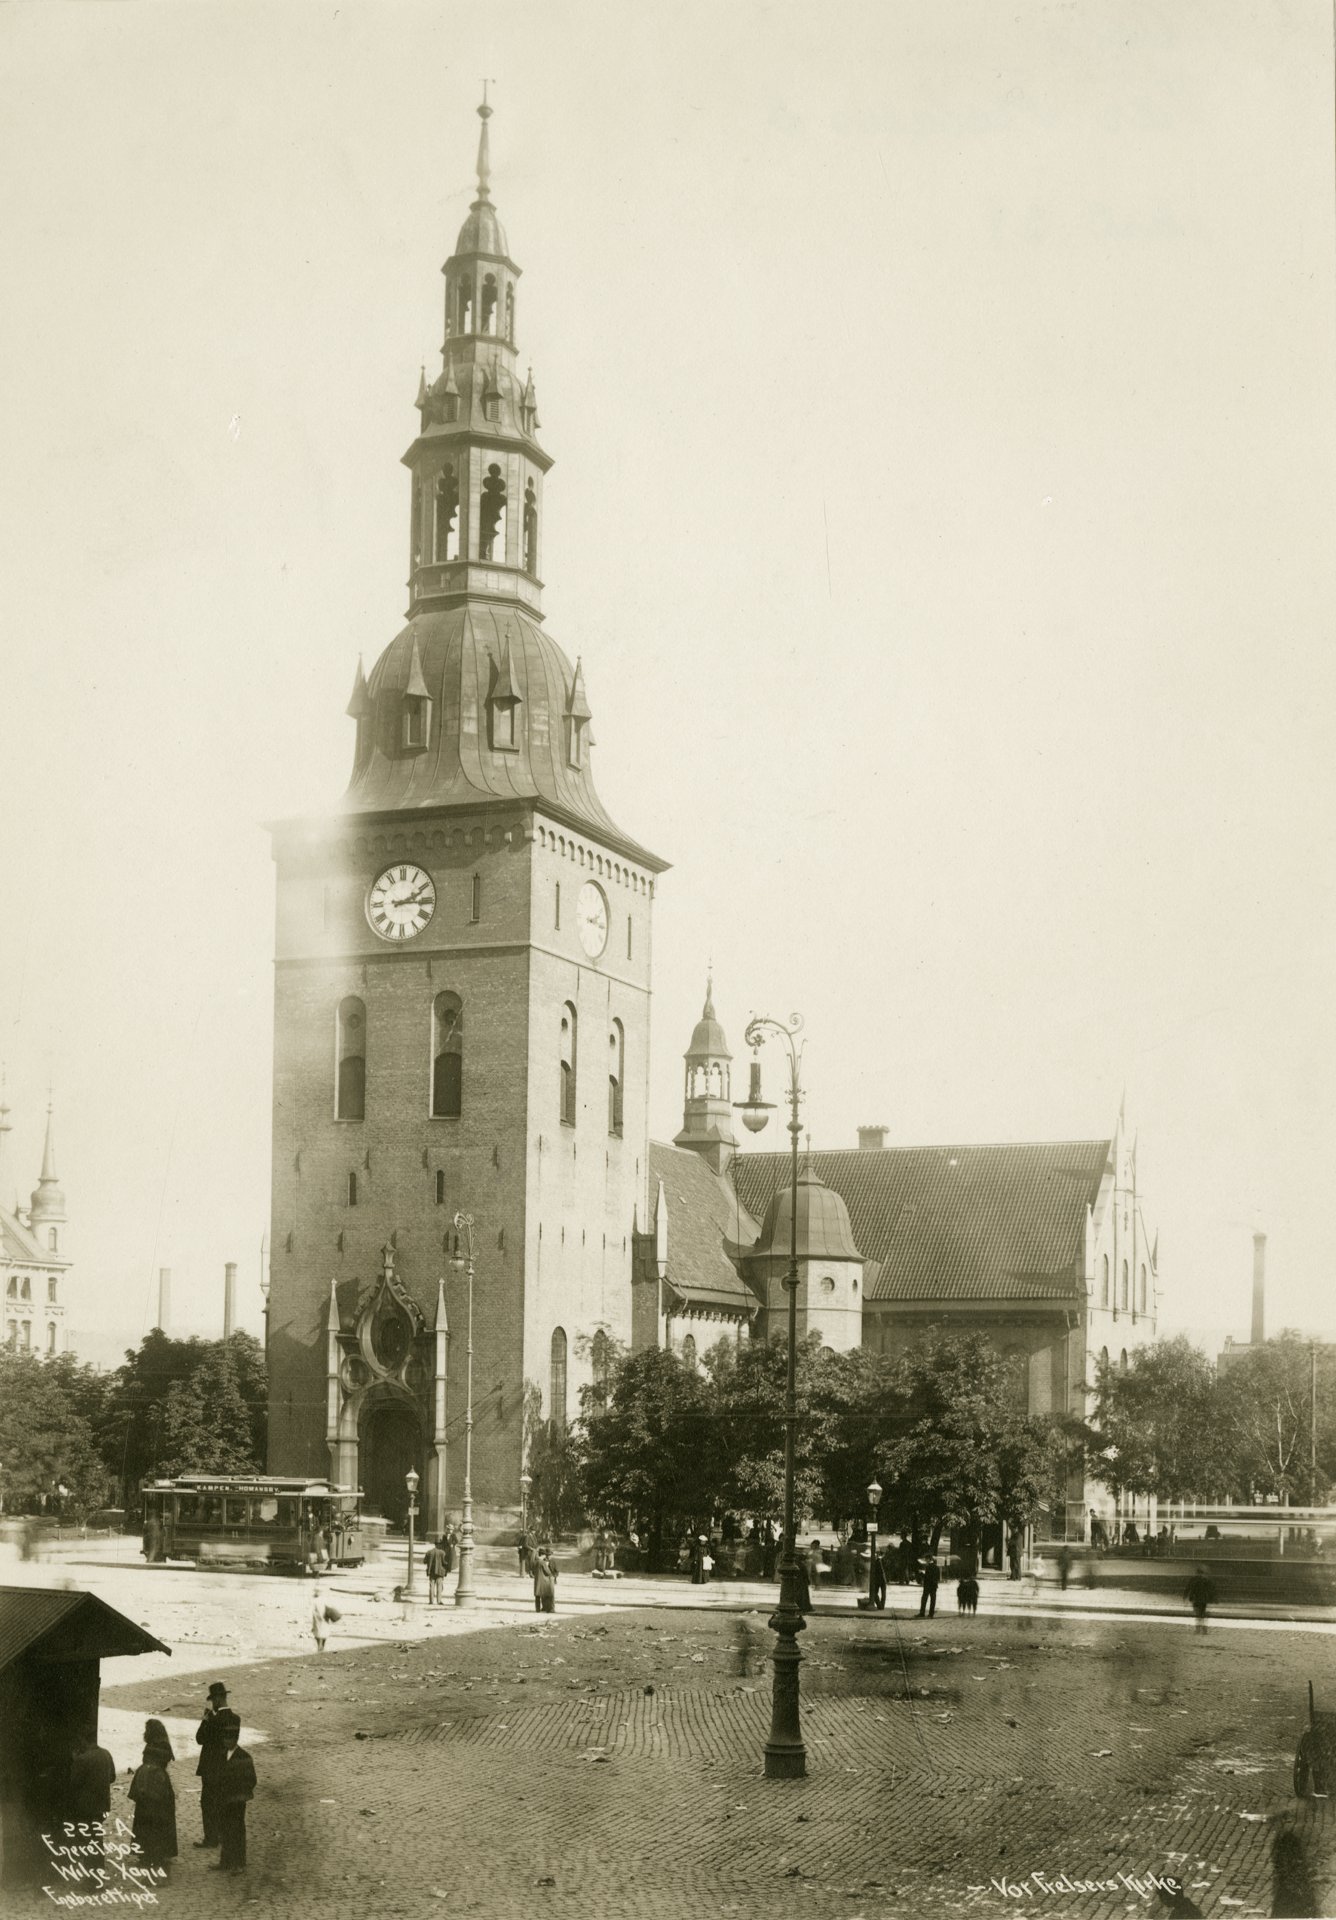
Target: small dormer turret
(707, 1112)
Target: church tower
(462, 986)
(707, 1117)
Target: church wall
(481, 1154)
(587, 1185)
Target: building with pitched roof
(1042, 1247)
(34, 1257)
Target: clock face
(591, 918)
(400, 902)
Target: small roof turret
(482, 232)
(708, 1040)
(48, 1198)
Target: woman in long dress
(544, 1583)
(154, 1799)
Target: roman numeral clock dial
(400, 902)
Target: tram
(291, 1525)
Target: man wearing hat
(212, 1735)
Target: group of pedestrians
(227, 1782)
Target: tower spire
(484, 152)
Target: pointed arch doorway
(390, 1443)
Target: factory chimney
(229, 1299)
(165, 1299)
(1259, 1289)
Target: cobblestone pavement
(610, 1764)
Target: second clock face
(591, 917)
(400, 902)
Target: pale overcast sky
(943, 407)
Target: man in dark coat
(211, 1734)
(92, 1771)
(437, 1568)
(236, 1784)
(932, 1579)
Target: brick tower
(461, 1013)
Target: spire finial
(484, 151)
(707, 1011)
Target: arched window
(464, 307)
(568, 1065)
(492, 516)
(1104, 1281)
(598, 1357)
(530, 530)
(616, 1068)
(510, 315)
(1122, 1361)
(1122, 1291)
(53, 1246)
(350, 1060)
(415, 540)
(487, 306)
(447, 1056)
(689, 1350)
(558, 1383)
(1104, 1358)
(446, 543)
(1141, 1287)
(1017, 1365)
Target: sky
(944, 413)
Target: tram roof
(245, 1483)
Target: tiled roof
(18, 1244)
(958, 1223)
(79, 1625)
(703, 1212)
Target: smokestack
(1259, 1289)
(872, 1139)
(165, 1298)
(229, 1299)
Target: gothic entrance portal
(390, 1445)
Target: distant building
(34, 1258)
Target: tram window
(236, 1513)
(187, 1507)
(211, 1511)
(266, 1510)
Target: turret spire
(484, 151)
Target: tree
(1265, 1407)
(648, 1446)
(963, 1453)
(206, 1424)
(48, 1459)
(133, 1430)
(1156, 1427)
(553, 1459)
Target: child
(967, 1594)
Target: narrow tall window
(492, 516)
(53, 1245)
(1141, 1288)
(616, 1069)
(1122, 1291)
(598, 1357)
(352, 1189)
(447, 1064)
(1122, 1361)
(628, 936)
(510, 315)
(487, 307)
(557, 920)
(568, 1063)
(530, 530)
(350, 1060)
(440, 1187)
(415, 542)
(51, 1338)
(416, 720)
(51, 1290)
(1104, 1358)
(558, 1380)
(476, 898)
(464, 307)
(689, 1350)
(446, 546)
(1104, 1282)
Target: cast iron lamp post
(462, 1259)
(411, 1482)
(526, 1481)
(785, 1756)
(874, 1501)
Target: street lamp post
(785, 1756)
(411, 1482)
(526, 1481)
(873, 1501)
(462, 1259)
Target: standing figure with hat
(211, 1735)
